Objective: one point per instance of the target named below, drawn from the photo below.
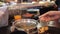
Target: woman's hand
(51, 15)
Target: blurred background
(12, 12)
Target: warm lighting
(33, 2)
(41, 2)
(48, 0)
(16, 0)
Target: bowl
(25, 24)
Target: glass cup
(42, 27)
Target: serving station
(23, 18)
